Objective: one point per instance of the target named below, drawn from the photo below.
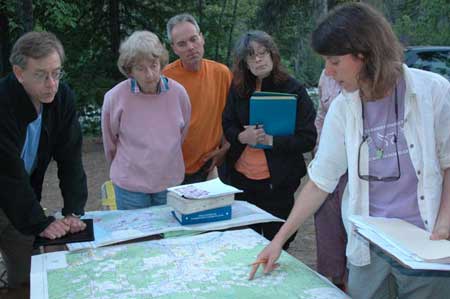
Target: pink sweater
(143, 134)
(328, 90)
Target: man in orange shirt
(207, 83)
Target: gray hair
(35, 45)
(181, 18)
(141, 45)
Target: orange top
(253, 162)
(207, 90)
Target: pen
(255, 266)
(259, 262)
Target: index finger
(253, 272)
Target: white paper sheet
(382, 237)
(208, 189)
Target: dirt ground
(95, 166)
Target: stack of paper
(209, 189)
(201, 202)
(408, 243)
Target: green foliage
(90, 32)
(427, 23)
(8, 9)
(291, 23)
(90, 118)
(60, 14)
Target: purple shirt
(143, 134)
(397, 199)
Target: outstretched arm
(306, 204)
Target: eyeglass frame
(262, 54)
(372, 178)
(42, 78)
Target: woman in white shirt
(389, 129)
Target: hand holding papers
(408, 243)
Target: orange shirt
(207, 90)
(253, 162)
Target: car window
(437, 62)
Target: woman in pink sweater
(144, 122)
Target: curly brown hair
(243, 79)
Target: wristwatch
(75, 215)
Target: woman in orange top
(269, 177)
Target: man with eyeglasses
(207, 83)
(38, 123)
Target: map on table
(122, 225)
(210, 265)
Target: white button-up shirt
(427, 133)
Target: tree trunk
(24, 12)
(28, 22)
(320, 9)
(222, 12)
(114, 25)
(200, 12)
(230, 35)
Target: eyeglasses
(251, 57)
(372, 178)
(42, 77)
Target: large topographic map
(211, 265)
(121, 225)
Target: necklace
(379, 152)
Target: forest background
(91, 32)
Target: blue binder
(211, 215)
(277, 112)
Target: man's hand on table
(75, 224)
(61, 227)
(56, 229)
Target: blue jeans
(129, 200)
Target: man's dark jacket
(60, 139)
(285, 159)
